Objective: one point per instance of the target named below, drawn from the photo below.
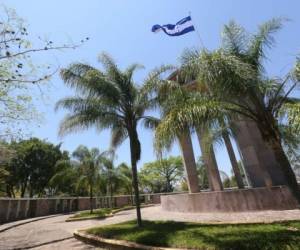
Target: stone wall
(221, 201)
(17, 209)
(236, 200)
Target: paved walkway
(52, 232)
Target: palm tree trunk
(234, 163)
(131, 196)
(23, 189)
(111, 194)
(10, 191)
(286, 168)
(133, 138)
(91, 199)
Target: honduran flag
(184, 26)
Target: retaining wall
(235, 200)
(17, 209)
(224, 201)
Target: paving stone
(52, 232)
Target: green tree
(107, 99)
(203, 176)
(32, 166)
(162, 175)
(6, 155)
(20, 77)
(65, 179)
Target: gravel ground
(52, 232)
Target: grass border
(114, 244)
(114, 211)
(119, 244)
(70, 219)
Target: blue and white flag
(184, 26)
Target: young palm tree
(107, 99)
(111, 178)
(238, 87)
(89, 169)
(125, 179)
(65, 178)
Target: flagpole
(197, 32)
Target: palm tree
(164, 96)
(125, 178)
(89, 169)
(65, 178)
(238, 87)
(111, 178)
(108, 99)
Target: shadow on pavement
(30, 221)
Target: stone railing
(17, 209)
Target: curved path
(52, 232)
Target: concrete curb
(88, 218)
(113, 244)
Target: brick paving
(54, 233)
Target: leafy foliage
(20, 77)
(161, 175)
(230, 83)
(32, 166)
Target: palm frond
(156, 77)
(74, 75)
(70, 103)
(263, 39)
(225, 74)
(234, 39)
(118, 135)
(131, 69)
(84, 120)
(112, 71)
(150, 122)
(191, 113)
(292, 112)
(296, 71)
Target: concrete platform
(239, 200)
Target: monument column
(266, 155)
(234, 163)
(210, 162)
(189, 162)
(256, 171)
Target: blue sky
(123, 29)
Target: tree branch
(41, 49)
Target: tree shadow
(29, 221)
(200, 236)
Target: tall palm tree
(107, 99)
(239, 88)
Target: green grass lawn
(284, 235)
(97, 213)
(100, 213)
